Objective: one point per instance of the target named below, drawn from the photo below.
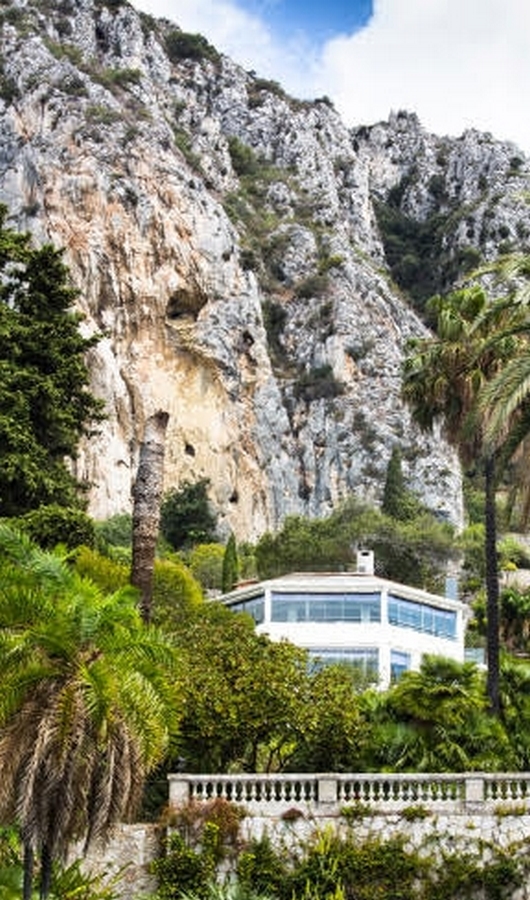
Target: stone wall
(457, 813)
(128, 854)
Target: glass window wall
(366, 659)
(255, 607)
(421, 617)
(322, 607)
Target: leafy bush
(71, 883)
(413, 552)
(327, 263)
(186, 517)
(312, 286)
(115, 531)
(181, 870)
(194, 819)
(261, 868)
(118, 77)
(106, 573)
(329, 866)
(274, 319)
(182, 45)
(243, 157)
(206, 564)
(52, 525)
(317, 384)
(176, 593)
(230, 571)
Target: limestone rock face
(227, 246)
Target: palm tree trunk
(45, 873)
(147, 495)
(27, 886)
(492, 590)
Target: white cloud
(456, 63)
(244, 37)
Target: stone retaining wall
(439, 813)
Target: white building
(380, 625)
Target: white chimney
(365, 562)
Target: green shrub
(98, 114)
(65, 51)
(354, 812)
(118, 77)
(183, 142)
(243, 158)
(414, 813)
(206, 564)
(274, 320)
(115, 531)
(186, 517)
(176, 593)
(182, 45)
(312, 286)
(181, 870)
(230, 569)
(106, 573)
(317, 384)
(9, 90)
(213, 823)
(261, 868)
(364, 871)
(334, 261)
(52, 525)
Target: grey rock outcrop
(226, 241)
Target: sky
(458, 64)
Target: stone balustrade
(327, 794)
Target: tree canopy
(186, 517)
(45, 403)
(414, 551)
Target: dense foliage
(87, 704)
(332, 865)
(45, 404)
(413, 550)
(186, 517)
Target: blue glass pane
(326, 607)
(364, 658)
(421, 617)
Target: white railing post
(474, 789)
(179, 790)
(327, 790)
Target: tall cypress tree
(394, 494)
(230, 565)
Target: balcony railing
(327, 794)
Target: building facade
(382, 627)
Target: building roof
(337, 582)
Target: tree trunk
(27, 887)
(147, 496)
(492, 590)
(45, 873)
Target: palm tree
(437, 721)
(147, 495)
(86, 707)
(444, 376)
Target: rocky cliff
(253, 266)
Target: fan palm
(87, 703)
(442, 721)
(505, 402)
(443, 380)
